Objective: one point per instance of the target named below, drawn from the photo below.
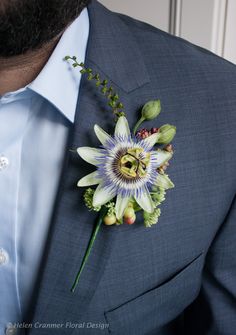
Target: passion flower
(126, 168)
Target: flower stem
(89, 248)
(140, 121)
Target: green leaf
(104, 82)
(104, 90)
(119, 105)
(112, 104)
(115, 97)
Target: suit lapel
(72, 224)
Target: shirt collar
(59, 82)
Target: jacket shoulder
(156, 42)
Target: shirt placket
(13, 117)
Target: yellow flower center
(134, 163)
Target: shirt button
(4, 162)
(10, 330)
(3, 256)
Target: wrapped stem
(89, 248)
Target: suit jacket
(180, 275)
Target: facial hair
(26, 25)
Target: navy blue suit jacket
(178, 277)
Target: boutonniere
(130, 167)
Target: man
(178, 277)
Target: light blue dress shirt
(34, 125)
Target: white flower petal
(121, 204)
(150, 141)
(102, 135)
(164, 181)
(145, 201)
(89, 180)
(122, 127)
(90, 155)
(161, 156)
(102, 195)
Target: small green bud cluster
(111, 208)
(88, 199)
(110, 217)
(107, 91)
(151, 218)
(158, 195)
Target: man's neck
(18, 71)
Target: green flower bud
(149, 112)
(151, 109)
(167, 133)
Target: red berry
(143, 133)
(130, 220)
(154, 130)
